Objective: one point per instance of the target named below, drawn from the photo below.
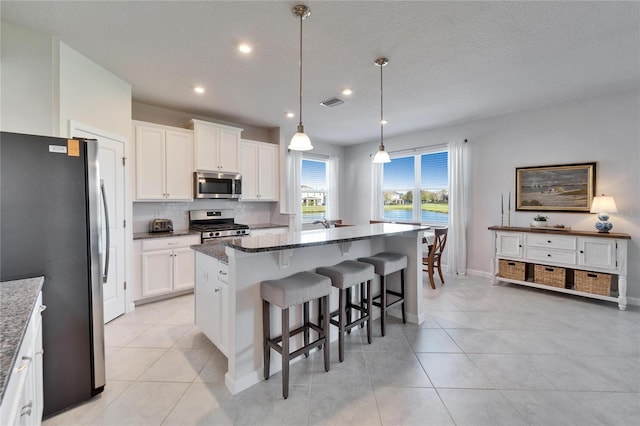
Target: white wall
(604, 129)
(28, 81)
(92, 95)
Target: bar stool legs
(344, 276)
(296, 289)
(385, 264)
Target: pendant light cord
(381, 112)
(300, 66)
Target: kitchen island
(228, 299)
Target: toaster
(161, 225)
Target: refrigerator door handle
(105, 276)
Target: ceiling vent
(330, 103)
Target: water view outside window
(425, 174)
(313, 188)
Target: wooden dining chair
(435, 252)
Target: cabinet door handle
(216, 290)
(27, 360)
(548, 255)
(26, 409)
(549, 241)
(222, 273)
(582, 251)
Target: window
(416, 188)
(313, 188)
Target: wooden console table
(563, 251)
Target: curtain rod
(422, 148)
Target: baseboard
(237, 386)
(162, 297)
(635, 301)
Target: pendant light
(300, 141)
(381, 156)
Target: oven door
(216, 185)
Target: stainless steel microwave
(217, 185)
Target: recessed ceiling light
(290, 115)
(198, 89)
(383, 122)
(244, 48)
(347, 92)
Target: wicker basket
(512, 270)
(592, 282)
(549, 275)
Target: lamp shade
(300, 142)
(603, 204)
(382, 156)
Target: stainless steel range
(216, 224)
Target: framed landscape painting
(561, 188)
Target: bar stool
(285, 293)
(385, 264)
(344, 276)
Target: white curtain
(376, 191)
(457, 236)
(333, 191)
(294, 200)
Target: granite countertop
(180, 233)
(266, 226)
(291, 240)
(17, 300)
(214, 248)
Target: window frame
(318, 159)
(417, 169)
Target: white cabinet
(216, 146)
(509, 244)
(259, 169)
(23, 401)
(167, 265)
(212, 300)
(576, 252)
(597, 253)
(163, 162)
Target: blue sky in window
(399, 174)
(314, 174)
(434, 171)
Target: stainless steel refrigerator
(51, 213)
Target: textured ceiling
(449, 61)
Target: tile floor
(486, 355)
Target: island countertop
(17, 300)
(317, 237)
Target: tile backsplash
(246, 213)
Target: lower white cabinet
(212, 300)
(167, 265)
(23, 401)
(589, 264)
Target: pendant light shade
(300, 141)
(381, 156)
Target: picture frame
(558, 188)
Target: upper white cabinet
(216, 146)
(163, 162)
(259, 169)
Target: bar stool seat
(386, 263)
(300, 288)
(344, 276)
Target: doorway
(112, 173)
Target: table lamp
(603, 206)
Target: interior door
(111, 167)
